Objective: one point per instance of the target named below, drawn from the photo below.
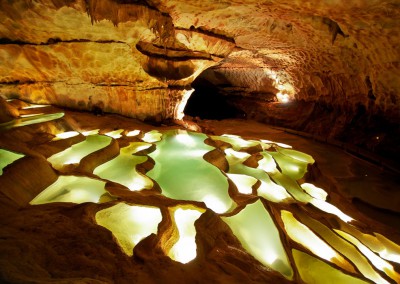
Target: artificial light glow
(116, 134)
(35, 106)
(133, 133)
(75, 153)
(283, 98)
(267, 163)
(184, 138)
(273, 192)
(243, 183)
(314, 191)
(257, 233)
(30, 115)
(90, 132)
(329, 208)
(7, 158)
(391, 251)
(65, 135)
(73, 189)
(276, 143)
(180, 107)
(152, 136)
(304, 236)
(215, 204)
(129, 224)
(373, 258)
(235, 157)
(184, 249)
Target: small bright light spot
(30, 115)
(65, 135)
(72, 160)
(129, 224)
(35, 106)
(276, 143)
(283, 98)
(116, 134)
(152, 136)
(244, 183)
(215, 204)
(391, 251)
(184, 249)
(267, 163)
(133, 133)
(314, 191)
(184, 138)
(329, 208)
(90, 132)
(273, 192)
(138, 183)
(235, 157)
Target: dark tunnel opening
(207, 102)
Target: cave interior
(171, 141)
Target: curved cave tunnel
(207, 102)
(282, 166)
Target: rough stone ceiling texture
(136, 57)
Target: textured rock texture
(338, 59)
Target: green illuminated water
(30, 120)
(313, 270)
(75, 153)
(256, 231)
(7, 158)
(73, 189)
(122, 169)
(183, 174)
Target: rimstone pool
(157, 185)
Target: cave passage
(207, 102)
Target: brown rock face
(338, 60)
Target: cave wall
(121, 56)
(138, 58)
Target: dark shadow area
(207, 102)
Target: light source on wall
(282, 98)
(180, 107)
(281, 82)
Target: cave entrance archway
(208, 102)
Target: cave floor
(372, 189)
(62, 241)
